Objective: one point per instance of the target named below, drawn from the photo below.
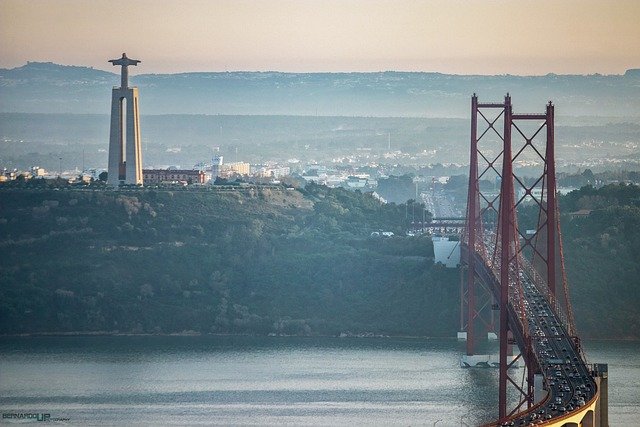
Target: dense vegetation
(602, 252)
(601, 240)
(251, 260)
(268, 259)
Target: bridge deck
(567, 379)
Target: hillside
(50, 88)
(245, 261)
(601, 241)
(602, 252)
(263, 260)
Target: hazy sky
(451, 36)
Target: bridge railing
(516, 291)
(541, 284)
(516, 296)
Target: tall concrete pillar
(602, 382)
(125, 150)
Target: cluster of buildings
(204, 173)
(335, 177)
(200, 174)
(38, 172)
(34, 172)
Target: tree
(588, 175)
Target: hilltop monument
(125, 152)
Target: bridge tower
(477, 302)
(503, 144)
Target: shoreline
(198, 334)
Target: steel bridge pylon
(500, 140)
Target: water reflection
(265, 380)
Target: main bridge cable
(565, 288)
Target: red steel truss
(500, 143)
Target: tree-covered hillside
(601, 241)
(266, 260)
(246, 260)
(602, 253)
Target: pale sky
(449, 36)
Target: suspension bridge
(513, 264)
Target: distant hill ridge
(52, 70)
(45, 67)
(45, 87)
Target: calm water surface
(253, 380)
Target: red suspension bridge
(519, 272)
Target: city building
(216, 166)
(168, 176)
(272, 172)
(38, 172)
(238, 168)
(220, 169)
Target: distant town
(398, 168)
(407, 134)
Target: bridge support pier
(487, 361)
(601, 376)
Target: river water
(213, 380)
